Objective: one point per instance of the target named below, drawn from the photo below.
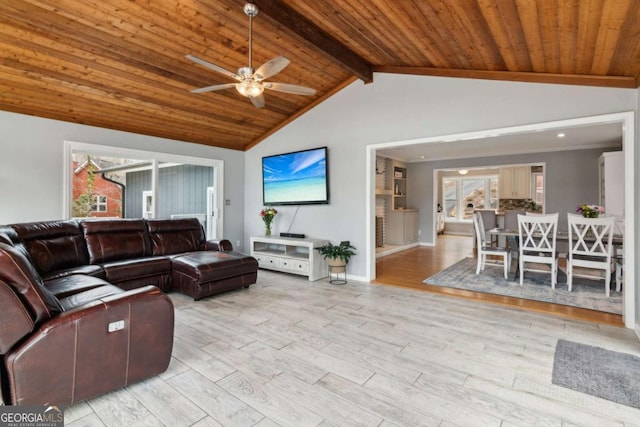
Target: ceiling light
(250, 88)
(561, 135)
(463, 171)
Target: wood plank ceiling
(121, 64)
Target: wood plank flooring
(409, 268)
(289, 352)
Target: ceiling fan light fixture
(250, 83)
(249, 88)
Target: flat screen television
(297, 178)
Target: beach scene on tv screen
(295, 177)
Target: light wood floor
(409, 268)
(291, 352)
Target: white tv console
(290, 255)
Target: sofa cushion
(173, 236)
(208, 266)
(8, 235)
(89, 270)
(15, 320)
(122, 271)
(116, 239)
(65, 286)
(5, 239)
(90, 295)
(19, 273)
(53, 245)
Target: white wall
(31, 167)
(395, 108)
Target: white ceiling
(584, 137)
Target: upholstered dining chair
(537, 244)
(485, 249)
(590, 247)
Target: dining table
(512, 236)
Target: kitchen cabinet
(402, 227)
(515, 182)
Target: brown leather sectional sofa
(82, 310)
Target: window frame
(459, 199)
(155, 158)
(97, 203)
(534, 188)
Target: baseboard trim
(396, 250)
(454, 233)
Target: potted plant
(337, 255)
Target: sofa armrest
(223, 245)
(95, 348)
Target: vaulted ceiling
(121, 64)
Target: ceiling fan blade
(213, 88)
(271, 67)
(289, 88)
(257, 101)
(214, 67)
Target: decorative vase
(267, 230)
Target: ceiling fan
(251, 84)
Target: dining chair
(511, 218)
(590, 247)
(618, 251)
(537, 244)
(485, 249)
(528, 213)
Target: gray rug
(537, 286)
(603, 373)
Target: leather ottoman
(203, 273)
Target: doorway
(625, 121)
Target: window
(103, 181)
(99, 203)
(538, 188)
(463, 195)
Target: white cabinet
(611, 168)
(402, 227)
(515, 182)
(290, 255)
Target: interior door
(212, 214)
(147, 204)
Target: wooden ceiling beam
(628, 82)
(303, 27)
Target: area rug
(537, 286)
(593, 370)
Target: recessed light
(561, 135)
